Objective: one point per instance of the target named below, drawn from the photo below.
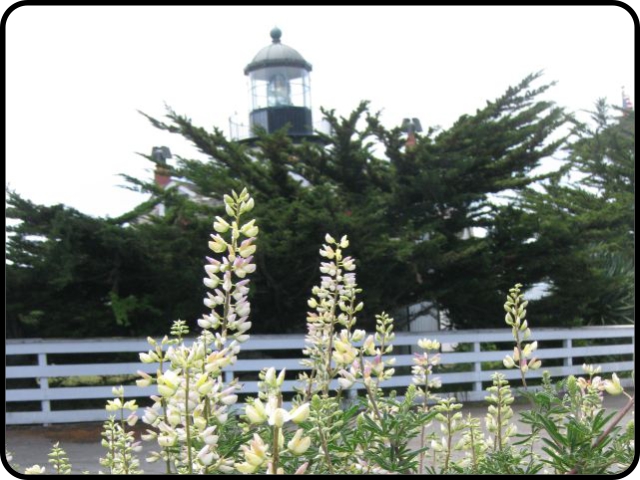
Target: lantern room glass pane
(280, 87)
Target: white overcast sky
(76, 76)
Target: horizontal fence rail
(35, 373)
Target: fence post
(477, 368)
(567, 344)
(44, 388)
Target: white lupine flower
(508, 362)
(205, 455)
(35, 470)
(270, 377)
(113, 405)
(118, 391)
(229, 399)
(199, 421)
(226, 468)
(613, 386)
(345, 383)
(245, 467)
(221, 225)
(300, 413)
(278, 417)
(358, 335)
(167, 440)
(150, 416)
(173, 417)
(529, 349)
(327, 251)
(204, 385)
(208, 435)
(211, 282)
(299, 444)
(590, 369)
(247, 206)
(150, 357)
(249, 229)
(428, 344)
(150, 435)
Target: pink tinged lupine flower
(535, 363)
(213, 267)
(132, 419)
(349, 264)
(243, 268)
(302, 469)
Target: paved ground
(31, 444)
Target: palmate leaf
(559, 462)
(552, 429)
(601, 419)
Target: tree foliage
(408, 210)
(585, 231)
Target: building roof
(277, 55)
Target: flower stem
(186, 422)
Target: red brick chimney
(162, 176)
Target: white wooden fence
(611, 347)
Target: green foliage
(197, 433)
(584, 231)
(72, 275)
(407, 210)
